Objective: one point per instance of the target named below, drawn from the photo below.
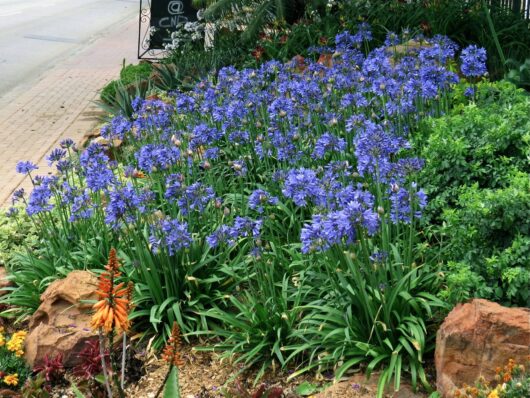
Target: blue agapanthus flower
(195, 198)
(170, 234)
(328, 143)
(95, 167)
(313, 237)
(67, 143)
(39, 200)
(25, 167)
(473, 60)
(303, 186)
(469, 92)
(18, 195)
(55, 155)
(259, 198)
(117, 128)
(220, 236)
(406, 204)
(154, 157)
(374, 147)
(173, 186)
(124, 203)
(11, 212)
(244, 227)
(82, 206)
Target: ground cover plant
(274, 208)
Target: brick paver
(34, 118)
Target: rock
(116, 143)
(298, 63)
(61, 324)
(475, 338)
(4, 282)
(326, 60)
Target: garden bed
(291, 215)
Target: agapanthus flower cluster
(40, 198)
(195, 198)
(303, 186)
(473, 60)
(157, 157)
(322, 140)
(25, 167)
(123, 204)
(340, 226)
(172, 235)
(260, 198)
(96, 169)
(244, 227)
(117, 128)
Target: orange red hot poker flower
(171, 353)
(112, 309)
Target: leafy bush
(262, 205)
(476, 176)
(129, 74)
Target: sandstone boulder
(475, 338)
(4, 281)
(61, 324)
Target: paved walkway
(35, 117)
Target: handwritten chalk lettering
(172, 22)
(175, 7)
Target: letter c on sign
(175, 7)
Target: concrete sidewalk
(35, 117)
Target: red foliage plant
(52, 368)
(90, 356)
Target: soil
(205, 375)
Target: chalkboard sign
(166, 15)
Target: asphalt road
(36, 35)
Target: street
(35, 35)
(55, 57)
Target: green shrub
(477, 177)
(129, 74)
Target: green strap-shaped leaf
(171, 389)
